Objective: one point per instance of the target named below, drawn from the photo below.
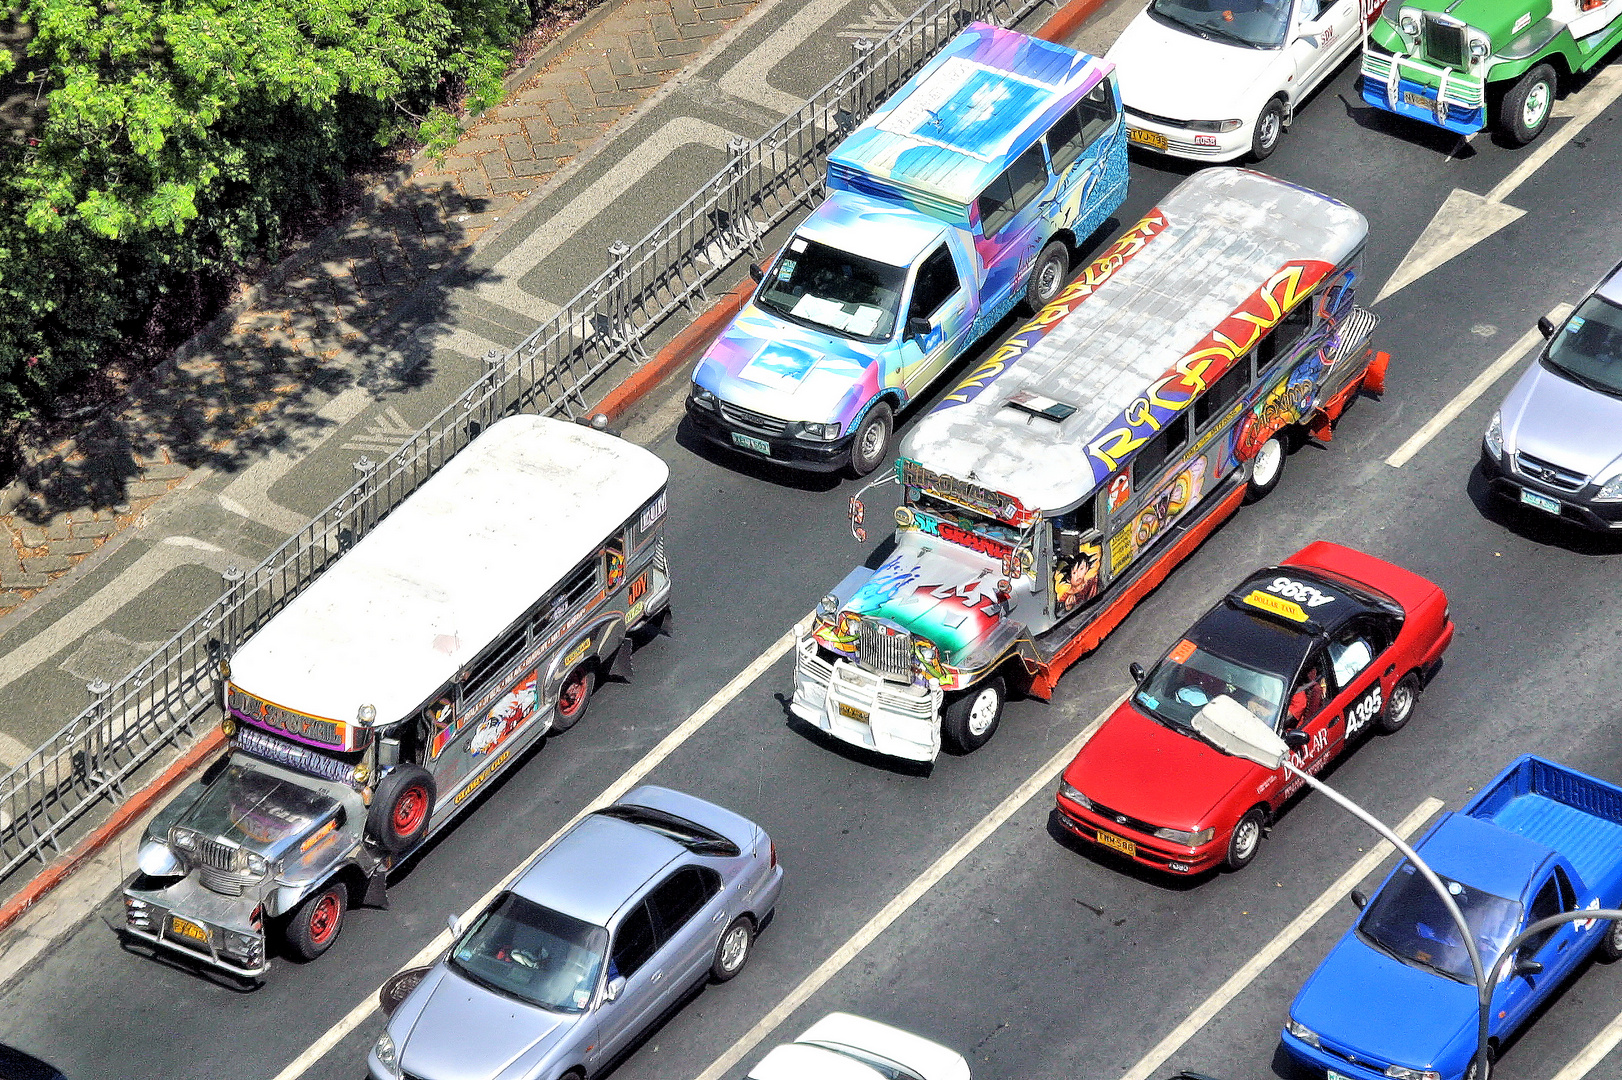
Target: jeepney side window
(937, 283)
(1078, 554)
(1158, 450)
(435, 718)
(614, 555)
(493, 667)
(1015, 188)
(1295, 323)
(1213, 404)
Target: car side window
(1568, 895)
(937, 283)
(634, 943)
(1311, 691)
(1013, 190)
(1352, 650)
(1544, 904)
(680, 896)
(1310, 9)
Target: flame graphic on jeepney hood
(940, 592)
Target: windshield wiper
(1582, 380)
(1411, 961)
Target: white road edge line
(1478, 386)
(441, 941)
(1592, 1054)
(1038, 781)
(1286, 937)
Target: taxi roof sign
(1276, 605)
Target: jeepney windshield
(959, 521)
(1408, 921)
(539, 956)
(257, 809)
(1588, 349)
(1253, 24)
(835, 290)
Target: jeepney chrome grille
(885, 650)
(1444, 42)
(215, 854)
(1549, 473)
(224, 881)
(753, 420)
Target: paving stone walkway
(212, 408)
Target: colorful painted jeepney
(1446, 62)
(962, 195)
(1077, 464)
(469, 623)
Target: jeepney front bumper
(186, 917)
(1426, 92)
(864, 709)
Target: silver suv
(1556, 442)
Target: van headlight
(1611, 491)
(1187, 839)
(818, 432)
(702, 398)
(1494, 437)
(1305, 1034)
(386, 1055)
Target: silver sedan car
(597, 937)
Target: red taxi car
(1327, 646)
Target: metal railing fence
(764, 182)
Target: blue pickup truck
(1397, 996)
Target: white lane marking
(1041, 779)
(248, 494)
(132, 583)
(718, 701)
(1592, 1054)
(1286, 937)
(501, 286)
(1465, 218)
(1478, 386)
(748, 78)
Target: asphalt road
(1032, 957)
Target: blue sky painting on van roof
(967, 107)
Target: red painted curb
(682, 348)
(134, 807)
(1068, 19)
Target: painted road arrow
(1465, 218)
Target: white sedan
(1214, 80)
(845, 1047)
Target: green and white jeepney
(1450, 62)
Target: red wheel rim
(409, 809)
(573, 696)
(324, 919)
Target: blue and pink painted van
(962, 195)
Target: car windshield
(1588, 349)
(1190, 677)
(836, 290)
(1410, 922)
(532, 953)
(1257, 24)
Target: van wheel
(1525, 109)
(574, 697)
(401, 808)
(1047, 276)
(1268, 131)
(871, 444)
(1246, 840)
(1400, 709)
(316, 922)
(970, 718)
(1265, 469)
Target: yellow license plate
(188, 929)
(1152, 139)
(1119, 843)
(853, 713)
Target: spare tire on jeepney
(401, 808)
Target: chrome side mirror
(615, 987)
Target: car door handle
(1562, 947)
(718, 916)
(657, 975)
(1391, 669)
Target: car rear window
(693, 837)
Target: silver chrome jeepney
(1079, 462)
(472, 621)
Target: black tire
(870, 445)
(402, 808)
(1047, 276)
(969, 718)
(1399, 708)
(1246, 840)
(1269, 129)
(1525, 108)
(574, 698)
(1610, 945)
(1492, 1059)
(1266, 468)
(315, 923)
(733, 950)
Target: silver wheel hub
(1537, 105)
(872, 441)
(1402, 700)
(734, 946)
(1269, 128)
(983, 711)
(1049, 282)
(1268, 460)
(1244, 841)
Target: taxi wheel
(574, 697)
(1526, 107)
(1265, 469)
(316, 922)
(1268, 131)
(733, 951)
(870, 447)
(401, 808)
(1400, 709)
(1047, 276)
(1610, 946)
(1246, 840)
(970, 718)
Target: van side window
(1097, 110)
(1219, 395)
(1066, 141)
(1013, 190)
(1158, 450)
(937, 283)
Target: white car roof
(448, 570)
(816, 1054)
(1227, 231)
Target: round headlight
(1409, 25)
(185, 839)
(228, 727)
(362, 773)
(257, 864)
(366, 714)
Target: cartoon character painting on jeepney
(1075, 581)
(506, 716)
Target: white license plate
(749, 442)
(1418, 101)
(1333, 1075)
(1542, 502)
